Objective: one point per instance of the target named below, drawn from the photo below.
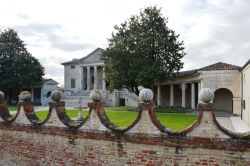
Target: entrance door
(122, 102)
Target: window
(243, 104)
(73, 83)
(72, 67)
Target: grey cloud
(68, 46)
(56, 72)
(23, 16)
(228, 41)
(57, 60)
(50, 32)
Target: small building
(42, 90)
(224, 79)
(246, 92)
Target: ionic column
(81, 77)
(88, 78)
(158, 95)
(183, 98)
(171, 95)
(199, 89)
(193, 96)
(95, 77)
(103, 80)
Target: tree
(18, 69)
(142, 51)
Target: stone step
(75, 98)
(75, 103)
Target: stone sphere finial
(25, 96)
(56, 95)
(206, 95)
(146, 95)
(1, 95)
(96, 95)
(140, 88)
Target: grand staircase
(81, 98)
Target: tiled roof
(215, 66)
(220, 66)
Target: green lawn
(122, 117)
(12, 108)
(159, 110)
(176, 122)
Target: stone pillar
(81, 78)
(183, 98)
(95, 78)
(171, 95)
(199, 89)
(158, 95)
(88, 78)
(103, 80)
(193, 96)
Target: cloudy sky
(56, 31)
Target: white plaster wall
(246, 94)
(70, 74)
(229, 79)
(217, 79)
(112, 99)
(45, 89)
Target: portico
(92, 77)
(183, 95)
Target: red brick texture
(38, 144)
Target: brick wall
(24, 140)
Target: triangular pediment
(92, 57)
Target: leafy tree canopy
(142, 51)
(19, 70)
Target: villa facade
(224, 79)
(87, 73)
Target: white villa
(87, 73)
